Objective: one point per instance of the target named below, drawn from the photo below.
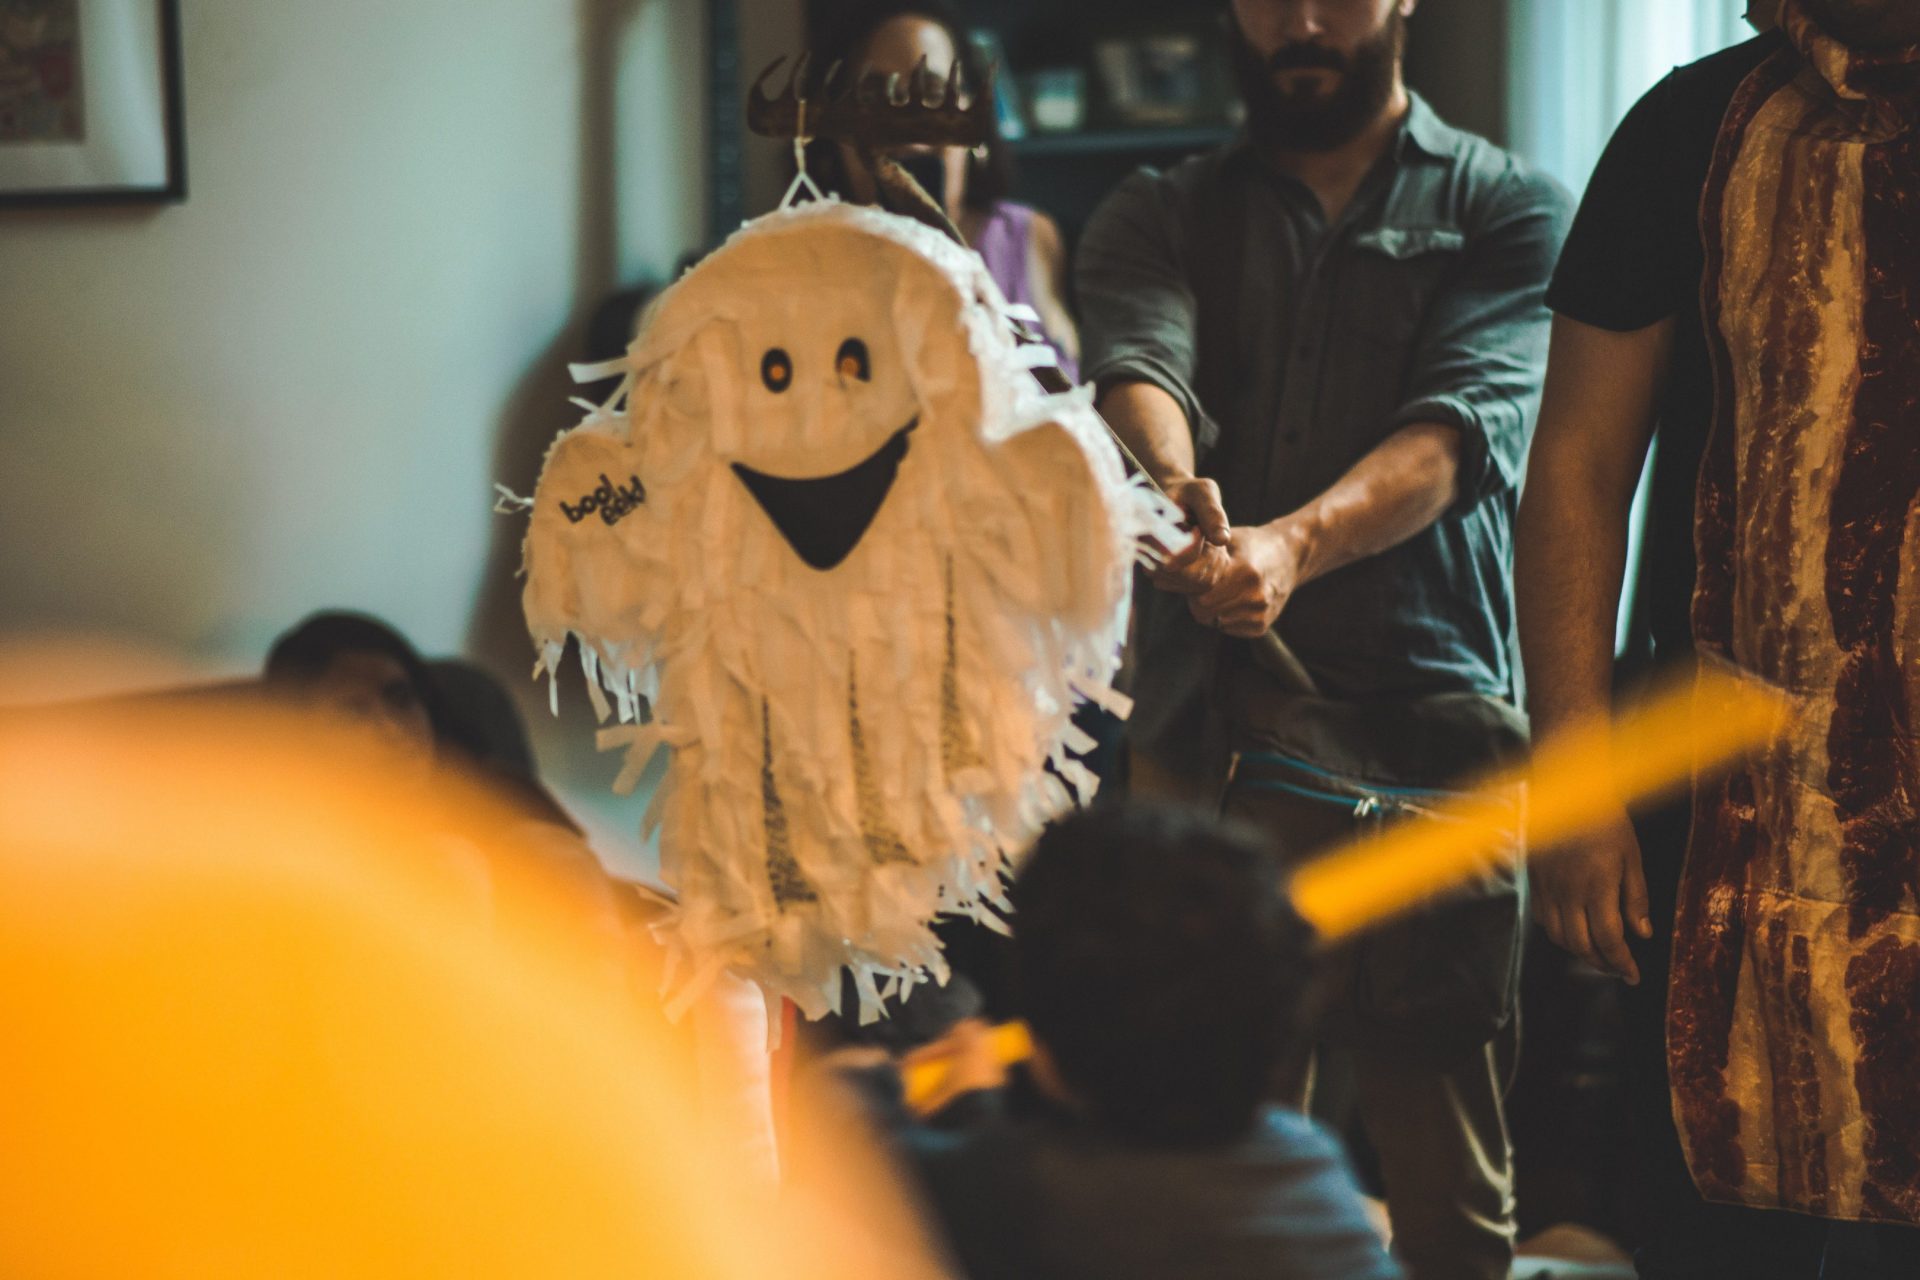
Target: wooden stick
(1273, 654)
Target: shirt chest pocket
(1389, 278)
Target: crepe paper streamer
(642, 743)
(833, 531)
(1010, 1044)
(1108, 699)
(597, 370)
(1575, 781)
(507, 503)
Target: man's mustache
(1306, 57)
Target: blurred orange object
(267, 1010)
(1573, 781)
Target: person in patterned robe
(1745, 273)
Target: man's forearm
(1569, 560)
(1153, 426)
(1596, 415)
(1405, 484)
(1570, 551)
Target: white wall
(293, 390)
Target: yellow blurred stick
(925, 1081)
(1573, 783)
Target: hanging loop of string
(802, 180)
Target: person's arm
(1570, 557)
(1461, 433)
(1047, 270)
(1406, 483)
(1141, 349)
(1630, 273)
(1152, 425)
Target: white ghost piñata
(860, 568)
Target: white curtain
(1576, 66)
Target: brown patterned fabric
(1794, 1016)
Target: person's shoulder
(1430, 134)
(1287, 1134)
(1301, 1154)
(1174, 188)
(1296, 1153)
(1313, 1197)
(1712, 80)
(1041, 229)
(1141, 199)
(1199, 170)
(1499, 184)
(1518, 189)
(1155, 203)
(1674, 124)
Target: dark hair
(485, 729)
(1161, 966)
(840, 33)
(481, 718)
(302, 655)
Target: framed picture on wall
(90, 103)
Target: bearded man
(1325, 341)
(1740, 279)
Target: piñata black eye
(776, 370)
(852, 362)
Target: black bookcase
(1067, 173)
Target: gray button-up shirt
(1295, 348)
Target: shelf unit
(1086, 142)
(1067, 174)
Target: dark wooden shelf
(1105, 141)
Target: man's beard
(1867, 24)
(1302, 122)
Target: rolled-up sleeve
(1137, 312)
(1481, 355)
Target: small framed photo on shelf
(1056, 98)
(90, 102)
(1168, 78)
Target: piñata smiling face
(832, 418)
(873, 569)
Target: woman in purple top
(1021, 246)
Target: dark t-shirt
(1634, 258)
